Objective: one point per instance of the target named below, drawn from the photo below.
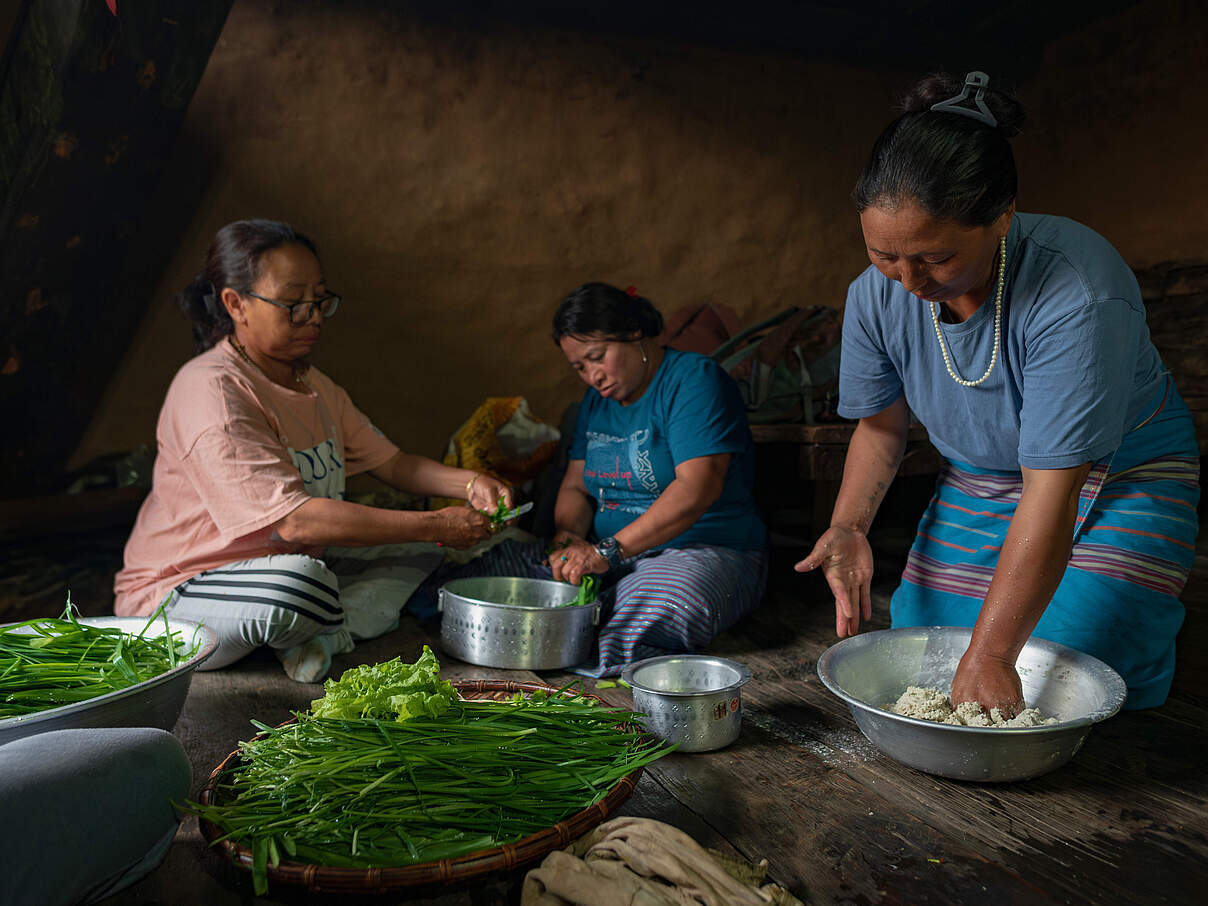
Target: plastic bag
(502, 438)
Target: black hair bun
(940, 86)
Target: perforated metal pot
(694, 700)
(515, 623)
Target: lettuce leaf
(391, 690)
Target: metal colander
(516, 623)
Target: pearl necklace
(935, 319)
(298, 371)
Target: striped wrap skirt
(660, 602)
(1134, 545)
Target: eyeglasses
(301, 312)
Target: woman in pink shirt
(254, 445)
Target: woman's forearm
(872, 461)
(697, 485)
(421, 475)
(1031, 564)
(573, 512)
(671, 514)
(322, 522)
(574, 507)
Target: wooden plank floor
(1125, 822)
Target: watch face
(607, 549)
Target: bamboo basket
(475, 865)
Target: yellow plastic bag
(504, 439)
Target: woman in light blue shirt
(1067, 503)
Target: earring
(642, 347)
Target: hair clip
(631, 292)
(210, 300)
(980, 81)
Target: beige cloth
(642, 862)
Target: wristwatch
(610, 549)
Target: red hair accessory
(631, 292)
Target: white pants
(286, 599)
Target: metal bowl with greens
(76, 672)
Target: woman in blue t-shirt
(1067, 503)
(658, 496)
(658, 493)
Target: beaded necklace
(935, 319)
(299, 370)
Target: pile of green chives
(47, 662)
(374, 793)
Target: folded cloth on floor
(376, 582)
(642, 862)
(507, 533)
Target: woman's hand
(460, 527)
(846, 560)
(485, 491)
(992, 682)
(565, 538)
(1030, 565)
(576, 560)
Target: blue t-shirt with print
(1076, 369)
(692, 408)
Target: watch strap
(610, 549)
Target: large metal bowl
(516, 623)
(872, 670)
(152, 703)
(693, 700)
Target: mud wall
(459, 182)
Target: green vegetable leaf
(260, 866)
(612, 683)
(587, 590)
(497, 517)
(389, 691)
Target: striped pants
(285, 600)
(1134, 546)
(661, 602)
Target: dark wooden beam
(1006, 38)
(90, 106)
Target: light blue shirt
(691, 408)
(1076, 368)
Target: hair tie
(980, 81)
(631, 292)
(210, 300)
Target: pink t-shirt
(236, 453)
